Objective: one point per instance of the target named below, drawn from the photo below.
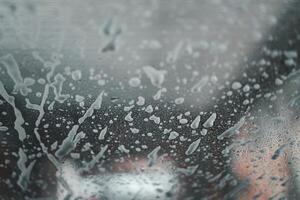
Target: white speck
(140, 101)
(193, 147)
(236, 85)
(101, 82)
(128, 117)
(155, 119)
(246, 102)
(76, 75)
(195, 123)
(229, 93)
(38, 94)
(50, 107)
(291, 54)
(149, 134)
(128, 108)
(188, 113)
(199, 85)
(75, 155)
(155, 44)
(95, 130)
(79, 98)
(149, 109)
(134, 130)
(246, 88)
(123, 149)
(173, 135)
(210, 121)
(268, 95)
(87, 146)
(157, 77)
(179, 100)
(278, 81)
(102, 133)
(158, 94)
(214, 79)
(3, 128)
(290, 62)
(203, 132)
(183, 121)
(134, 82)
(41, 81)
(256, 86)
(167, 131)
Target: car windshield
(149, 99)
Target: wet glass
(149, 99)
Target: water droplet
(210, 121)
(102, 133)
(236, 85)
(157, 77)
(195, 123)
(128, 117)
(193, 147)
(134, 82)
(173, 135)
(179, 100)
